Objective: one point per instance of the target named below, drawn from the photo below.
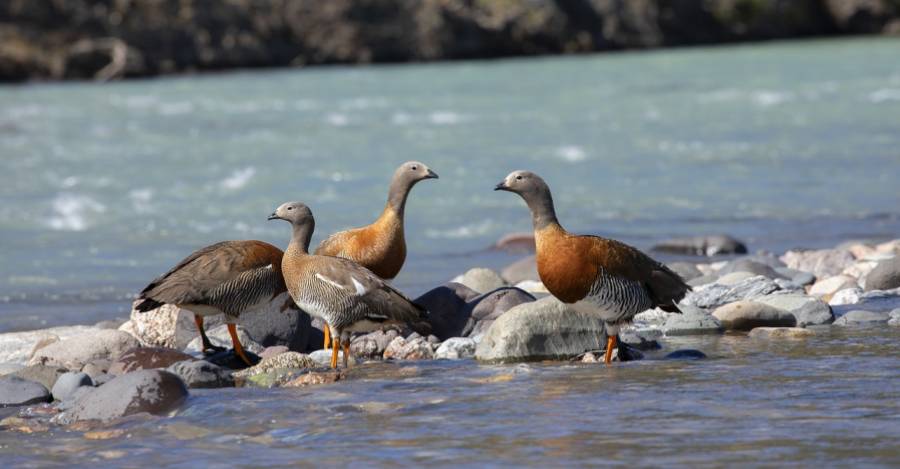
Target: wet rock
(447, 312)
(702, 246)
(521, 270)
(540, 329)
(481, 280)
(895, 318)
(734, 278)
(822, 263)
(780, 333)
(153, 391)
(15, 391)
(515, 243)
(456, 348)
(831, 285)
(146, 358)
(862, 318)
(885, 275)
(807, 310)
(685, 354)
(485, 309)
(686, 270)
(692, 321)
(751, 266)
(17, 347)
(373, 344)
(642, 340)
(202, 374)
(716, 295)
(746, 315)
(315, 377)
(275, 378)
(797, 276)
(69, 401)
(855, 298)
(414, 349)
(43, 374)
(220, 337)
(75, 352)
(323, 357)
(69, 382)
(229, 359)
(284, 360)
(273, 351)
(278, 322)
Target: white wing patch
(360, 289)
(330, 282)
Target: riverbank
(109, 40)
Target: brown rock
(746, 315)
(146, 358)
(516, 243)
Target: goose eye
(290, 208)
(519, 177)
(414, 168)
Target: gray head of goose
(405, 177)
(536, 193)
(301, 219)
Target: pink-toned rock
(832, 285)
(516, 243)
(415, 349)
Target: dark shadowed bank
(104, 39)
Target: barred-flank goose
(347, 296)
(381, 246)
(592, 274)
(226, 278)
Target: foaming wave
(238, 179)
(885, 94)
(73, 211)
(337, 119)
(445, 118)
(140, 199)
(571, 153)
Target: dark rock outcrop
(106, 39)
(152, 391)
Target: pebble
(885, 275)
(692, 321)
(373, 344)
(416, 348)
(481, 280)
(202, 374)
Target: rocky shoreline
(102, 40)
(83, 376)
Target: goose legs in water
(327, 332)
(335, 346)
(611, 343)
(207, 345)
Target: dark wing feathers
(204, 271)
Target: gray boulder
(156, 392)
(481, 280)
(485, 309)
(17, 347)
(456, 348)
(43, 374)
(521, 270)
(749, 265)
(412, 348)
(716, 295)
(734, 278)
(798, 277)
(692, 321)
(15, 391)
(69, 382)
(885, 275)
(822, 263)
(542, 329)
(702, 246)
(447, 312)
(703, 280)
(146, 358)
(807, 310)
(686, 270)
(202, 374)
(862, 318)
(75, 352)
(745, 315)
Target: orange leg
(238, 348)
(334, 353)
(346, 353)
(327, 337)
(198, 320)
(610, 345)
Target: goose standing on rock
(348, 297)
(226, 278)
(594, 275)
(381, 246)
